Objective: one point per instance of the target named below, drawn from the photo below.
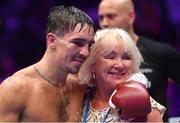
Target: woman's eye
(126, 56)
(90, 44)
(110, 56)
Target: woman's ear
(51, 40)
(93, 66)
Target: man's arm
(11, 99)
(157, 112)
(172, 63)
(154, 116)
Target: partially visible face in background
(112, 14)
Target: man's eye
(79, 43)
(90, 44)
(110, 16)
(101, 18)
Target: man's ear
(132, 16)
(51, 40)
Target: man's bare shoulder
(18, 82)
(14, 94)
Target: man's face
(74, 47)
(112, 15)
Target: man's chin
(74, 70)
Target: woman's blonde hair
(105, 42)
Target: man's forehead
(118, 5)
(84, 32)
(85, 29)
(107, 8)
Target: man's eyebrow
(79, 39)
(82, 39)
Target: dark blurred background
(22, 25)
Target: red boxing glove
(132, 99)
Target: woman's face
(113, 68)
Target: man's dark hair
(62, 19)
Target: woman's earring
(93, 82)
(94, 76)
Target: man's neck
(133, 35)
(50, 73)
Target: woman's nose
(119, 63)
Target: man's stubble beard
(73, 70)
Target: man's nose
(84, 51)
(104, 23)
